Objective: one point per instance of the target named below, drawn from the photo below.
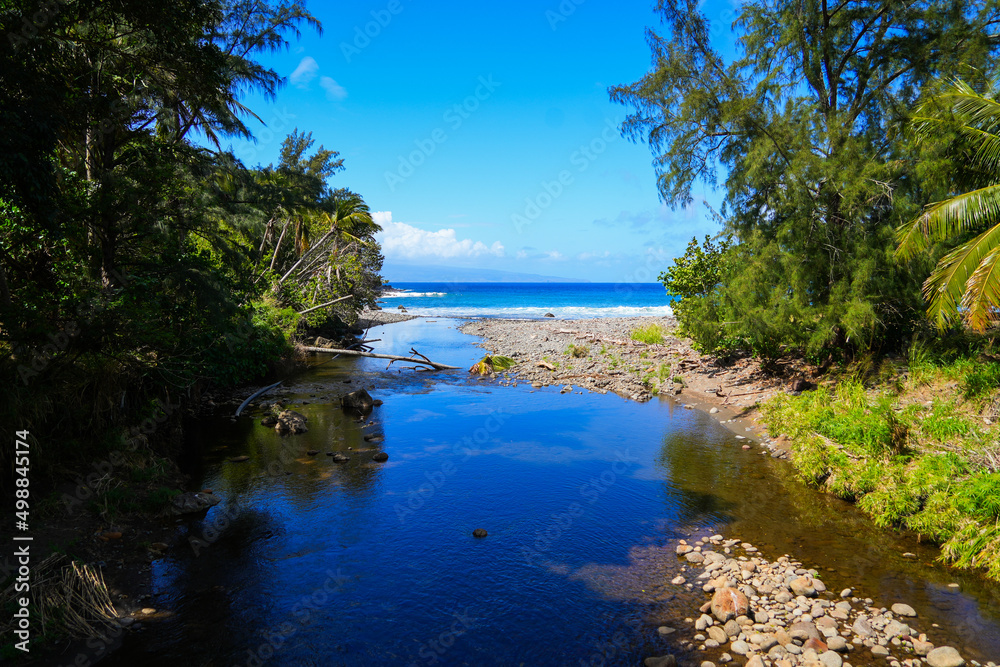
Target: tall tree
(800, 130)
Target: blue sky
(483, 135)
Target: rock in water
(269, 420)
(729, 603)
(901, 609)
(551, 315)
(192, 503)
(290, 421)
(944, 656)
(380, 457)
(662, 661)
(341, 458)
(479, 532)
(358, 401)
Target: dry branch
(394, 357)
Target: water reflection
(309, 561)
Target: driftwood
(422, 360)
(253, 396)
(328, 303)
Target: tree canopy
(802, 131)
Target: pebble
(787, 618)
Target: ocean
(531, 300)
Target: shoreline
(728, 392)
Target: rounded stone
(479, 532)
(901, 609)
(380, 457)
(944, 656)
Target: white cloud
(555, 254)
(402, 241)
(521, 254)
(583, 256)
(334, 91)
(304, 73)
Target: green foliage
(965, 284)
(651, 334)
(492, 363)
(577, 351)
(699, 271)
(843, 441)
(801, 128)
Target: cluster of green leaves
(138, 258)
(803, 131)
(851, 441)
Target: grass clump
(577, 351)
(927, 466)
(651, 334)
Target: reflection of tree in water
(199, 585)
(699, 476)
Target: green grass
(905, 464)
(577, 351)
(651, 334)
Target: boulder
(479, 532)
(358, 401)
(380, 457)
(728, 603)
(290, 421)
(551, 315)
(193, 502)
(944, 656)
(900, 609)
(802, 586)
(269, 420)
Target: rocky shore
(600, 355)
(759, 613)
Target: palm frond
(947, 283)
(982, 294)
(946, 219)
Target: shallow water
(308, 562)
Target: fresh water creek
(584, 498)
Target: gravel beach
(759, 612)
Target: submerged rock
(193, 502)
(479, 532)
(380, 457)
(290, 421)
(359, 401)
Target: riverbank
(637, 358)
(781, 613)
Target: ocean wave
(531, 312)
(400, 295)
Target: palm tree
(965, 284)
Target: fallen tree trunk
(355, 353)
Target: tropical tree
(965, 284)
(799, 130)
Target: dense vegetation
(806, 130)
(140, 261)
